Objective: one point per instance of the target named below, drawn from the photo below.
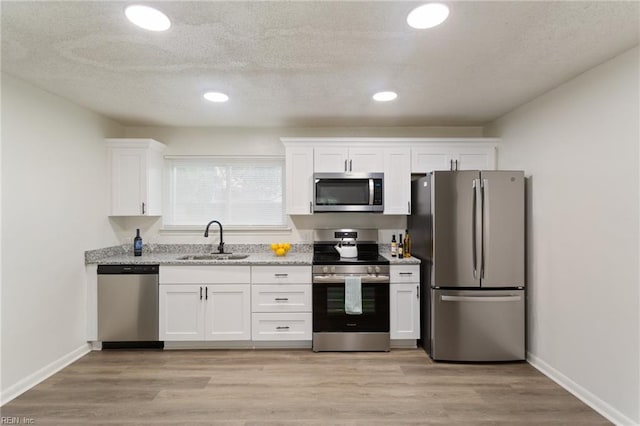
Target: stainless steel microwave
(348, 192)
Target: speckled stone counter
(169, 254)
(400, 261)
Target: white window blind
(236, 191)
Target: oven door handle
(380, 279)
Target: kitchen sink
(214, 256)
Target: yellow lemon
(280, 245)
(274, 246)
(287, 246)
(280, 252)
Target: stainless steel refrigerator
(468, 229)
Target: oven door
(329, 314)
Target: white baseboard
(44, 373)
(581, 393)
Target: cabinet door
(135, 176)
(228, 312)
(299, 191)
(405, 311)
(480, 158)
(330, 160)
(365, 160)
(128, 181)
(181, 313)
(397, 181)
(426, 159)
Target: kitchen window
(237, 191)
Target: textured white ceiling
(309, 63)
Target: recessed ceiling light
(148, 18)
(385, 96)
(216, 97)
(428, 15)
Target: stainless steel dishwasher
(127, 303)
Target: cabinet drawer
(281, 326)
(405, 273)
(281, 298)
(285, 274)
(205, 274)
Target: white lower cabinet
(281, 326)
(404, 299)
(205, 303)
(281, 303)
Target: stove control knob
(333, 269)
(325, 269)
(377, 270)
(369, 270)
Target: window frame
(170, 160)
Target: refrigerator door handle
(474, 228)
(480, 298)
(485, 223)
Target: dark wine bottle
(137, 244)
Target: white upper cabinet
(299, 180)
(347, 159)
(397, 158)
(397, 180)
(135, 177)
(454, 155)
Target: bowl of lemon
(280, 249)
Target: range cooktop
(326, 254)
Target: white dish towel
(353, 295)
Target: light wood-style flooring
(295, 387)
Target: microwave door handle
(370, 192)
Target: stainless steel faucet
(206, 234)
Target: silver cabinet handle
(310, 206)
(451, 164)
(406, 273)
(142, 208)
(481, 298)
(200, 293)
(409, 207)
(282, 299)
(345, 164)
(206, 293)
(282, 327)
(417, 292)
(280, 275)
(350, 165)
(457, 165)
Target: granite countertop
(172, 259)
(168, 254)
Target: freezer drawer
(477, 325)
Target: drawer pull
(406, 273)
(282, 327)
(281, 275)
(281, 299)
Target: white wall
(579, 146)
(53, 209)
(266, 141)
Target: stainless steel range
(336, 326)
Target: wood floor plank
(293, 387)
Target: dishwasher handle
(137, 269)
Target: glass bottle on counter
(137, 244)
(407, 244)
(394, 246)
(400, 247)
